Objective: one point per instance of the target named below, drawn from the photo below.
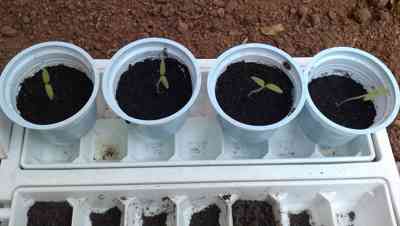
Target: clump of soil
(327, 94)
(137, 92)
(301, 219)
(72, 89)
(111, 217)
(258, 213)
(157, 220)
(226, 197)
(261, 108)
(50, 214)
(206, 217)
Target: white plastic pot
(264, 54)
(139, 51)
(361, 67)
(33, 59)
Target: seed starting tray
(200, 142)
(356, 184)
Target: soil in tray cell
(142, 96)
(50, 214)
(249, 213)
(329, 93)
(301, 219)
(71, 90)
(157, 220)
(236, 93)
(206, 217)
(111, 217)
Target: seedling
(47, 85)
(163, 78)
(263, 85)
(369, 96)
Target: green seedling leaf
(49, 91)
(164, 81)
(274, 88)
(258, 80)
(47, 85)
(45, 76)
(372, 94)
(262, 85)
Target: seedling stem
(369, 96)
(163, 78)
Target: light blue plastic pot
(30, 61)
(363, 68)
(138, 51)
(263, 54)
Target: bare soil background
(207, 27)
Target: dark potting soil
(157, 220)
(206, 217)
(111, 217)
(262, 108)
(258, 213)
(137, 93)
(352, 216)
(72, 89)
(50, 214)
(301, 219)
(328, 92)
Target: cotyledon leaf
(258, 80)
(372, 94)
(274, 88)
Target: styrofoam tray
(5, 135)
(328, 202)
(200, 142)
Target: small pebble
(332, 15)
(302, 11)
(315, 20)
(26, 19)
(221, 12)
(219, 3)
(8, 31)
(182, 26)
(362, 16)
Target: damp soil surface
(258, 213)
(328, 94)
(111, 217)
(137, 92)
(206, 217)
(50, 214)
(156, 220)
(300, 219)
(71, 87)
(265, 107)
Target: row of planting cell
(343, 205)
(199, 140)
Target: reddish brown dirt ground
(207, 27)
